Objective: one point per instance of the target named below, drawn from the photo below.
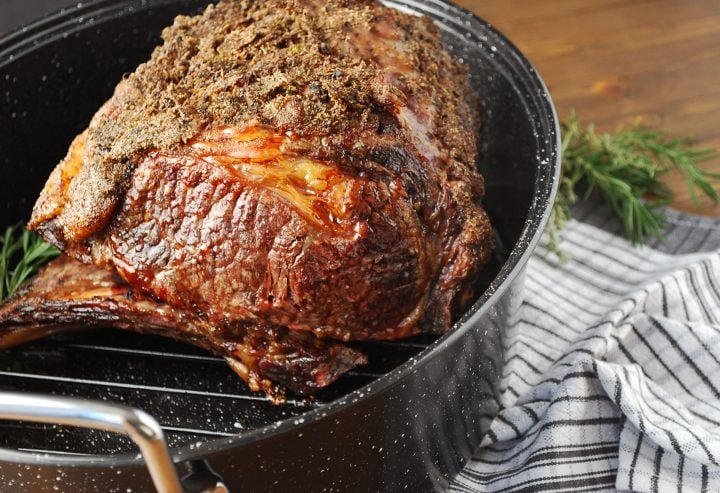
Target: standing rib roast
(279, 176)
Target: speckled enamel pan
(406, 422)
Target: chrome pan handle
(138, 425)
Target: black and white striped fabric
(612, 369)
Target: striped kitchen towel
(612, 371)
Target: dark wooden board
(615, 60)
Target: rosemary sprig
(22, 253)
(625, 167)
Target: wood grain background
(615, 60)
(610, 60)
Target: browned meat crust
(307, 164)
(68, 295)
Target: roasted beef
(309, 165)
(68, 295)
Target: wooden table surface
(610, 60)
(614, 60)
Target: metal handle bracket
(138, 425)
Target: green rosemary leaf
(22, 253)
(625, 168)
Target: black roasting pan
(408, 421)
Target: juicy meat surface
(303, 164)
(68, 295)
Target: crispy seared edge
(68, 295)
